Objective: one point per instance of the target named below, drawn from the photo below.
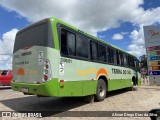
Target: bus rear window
(37, 34)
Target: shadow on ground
(121, 91)
(5, 87)
(49, 106)
(151, 88)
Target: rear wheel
(101, 90)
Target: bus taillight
(47, 71)
(45, 77)
(46, 66)
(61, 80)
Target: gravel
(143, 98)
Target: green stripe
(71, 88)
(119, 84)
(49, 88)
(55, 33)
(52, 88)
(78, 88)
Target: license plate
(25, 90)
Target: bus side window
(82, 47)
(107, 54)
(133, 62)
(137, 63)
(102, 53)
(110, 55)
(117, 57)
(125, 60)
(64, 50)
(129, 62)
(122, 58)
(71, 38)
(94, 51)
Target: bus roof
(91, 36)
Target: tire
(101, 90)
(134, 81)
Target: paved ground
(144, 98)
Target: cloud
(137, 50)
(137, 46)
(90, 16)
(124, 33)
(6, 48)
(117, 36)
(137, 36)
(101, 36)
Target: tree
(143, 61)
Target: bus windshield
(4, 72)
(35, 35)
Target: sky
(118, 22)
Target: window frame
(125, 58)
(111, 48)
(68, 32)
(59, 28)
(121, 57)
(117, 58)
(79, 35)
(90, 39)
(106, 59)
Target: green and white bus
(53, 58)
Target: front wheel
(101, 90)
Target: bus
(53, 58)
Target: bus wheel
(101, 90)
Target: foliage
(143, 61)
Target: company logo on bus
(22, 71)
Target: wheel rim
(101, 90)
